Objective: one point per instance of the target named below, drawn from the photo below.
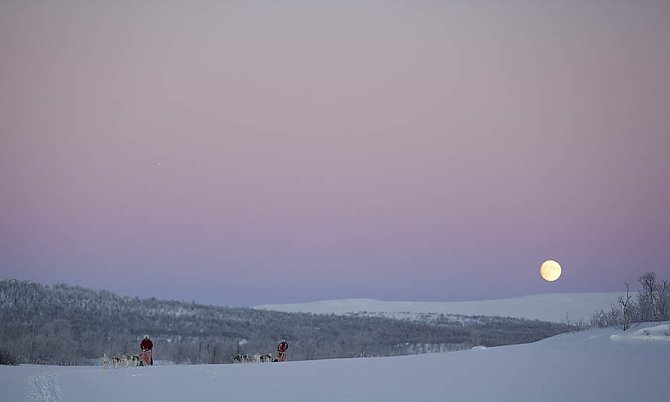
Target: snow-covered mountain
(606, 365)
(553, 307)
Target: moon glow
(550, 270)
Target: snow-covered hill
(606, 365)
(554, 307)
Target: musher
(281, 350)
(146, 345)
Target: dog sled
(146, 359)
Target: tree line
(71, 325)
(650, 304)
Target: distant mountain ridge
(63, 324)
(550, 307)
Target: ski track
(43, 386)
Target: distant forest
(68, 325)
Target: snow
(552, 307)
(606, 365)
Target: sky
(249, 152)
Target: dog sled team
(144, 358)
(258, 358)
(120, 361)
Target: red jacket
(282, 347)
(146, 344)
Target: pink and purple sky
(240, 153)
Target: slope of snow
(606, 365)
(554, 307)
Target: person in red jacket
(146, 345)
(281, 350)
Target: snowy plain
(552, 307)
(607, 365)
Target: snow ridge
(552, 307)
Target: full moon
(550, 270)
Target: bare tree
(654, 298)
(646, 296)
(626, 309)
(663, 301)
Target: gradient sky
(248, 152)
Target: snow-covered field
(553, 307)
(597, 365)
